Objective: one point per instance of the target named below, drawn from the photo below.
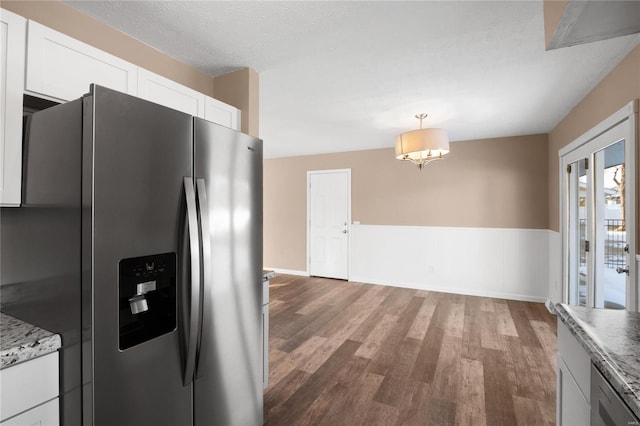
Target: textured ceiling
(350, 75)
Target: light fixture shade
(422, 144)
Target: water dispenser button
(138, 304)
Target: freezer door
(228, 169)
(135, 156)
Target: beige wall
(241, 89)
(495, 183)
(618, 88)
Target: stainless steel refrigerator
(149, 261)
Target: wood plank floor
(345, 353)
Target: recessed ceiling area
(345, 76)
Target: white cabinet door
(573, 391)
(576, 359)
(221, 113)
(163, 91)
(43, 415)
(573, 409)
(62, 68)
(12, 48)
(28, 384)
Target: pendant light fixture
(423, 145)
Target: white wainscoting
(493, 262)
(555, 267)
(638, 278)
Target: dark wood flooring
(345, 353)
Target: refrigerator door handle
(195, 313)
(205, 240)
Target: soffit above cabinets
(588, 21)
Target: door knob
(623, 270)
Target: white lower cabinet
(29, 392)
(62, 68)
(573, 391)
(573, 407)
(47, 414)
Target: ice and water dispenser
(147, 293)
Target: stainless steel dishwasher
(607, 408)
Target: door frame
(579, 149)
(308, 224)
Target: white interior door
(329, 216)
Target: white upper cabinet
(163, 91)
(62, 68)
(12, 48)
(221, 113)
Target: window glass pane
(582, 233)
(577, 233)
(610, 289)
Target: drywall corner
(241, 89)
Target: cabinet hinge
(586, 164)
(569, 169)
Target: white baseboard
(447, 289)
(287, 271)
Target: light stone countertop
(20, 341)
(612, 339)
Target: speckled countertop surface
(267, 275)
(612, 339)
(20, 341)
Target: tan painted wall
(552, 10)
(495, 183)
(241, 89)
(62, 18)
(618, 88)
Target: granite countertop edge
(629, 390)
(21, 341)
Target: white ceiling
(350, 75)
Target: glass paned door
(610, 227)
(578, 241)
(599, 221)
